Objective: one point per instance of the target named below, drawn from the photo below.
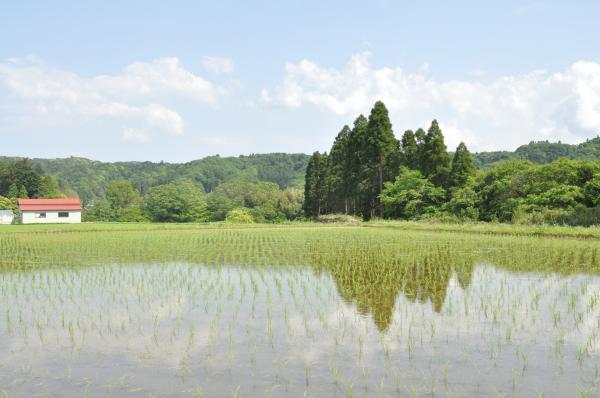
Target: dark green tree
(13, 191)
(382, 150)
(355, 174)
(181, 201)
(337, 173)
(435, 159)
(462, 167)
(410, 150)
(315, 187)
(23, 194)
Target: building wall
(6, 217)
(31, 217)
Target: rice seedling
(296, 311)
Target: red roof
(49, 204)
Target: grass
(467, 227)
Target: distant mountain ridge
(542, 152)
(88, 178)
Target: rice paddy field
(296, 311)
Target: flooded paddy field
(297, 312)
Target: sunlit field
(315, 311)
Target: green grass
(471, 228)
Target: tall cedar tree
(410, 150)
(420, 135)
(382, 155)
(315, 189)
(337, 170)
(462, 167)
(435, 161)
(356, 157)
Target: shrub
(239, 216)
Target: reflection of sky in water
(177, 330)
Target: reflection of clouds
(470, 321)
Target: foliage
(462, 167)
(176, 202)
(88, 179)
(264, 199)
(240, 215)
(315, 186)
(7, 204)
(411, 195)
(435, 161)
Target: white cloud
(54, 97)
(502, 113)
(134, 135)
(218, 64)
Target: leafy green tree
(462, 167)
(290, 203)
(262, 198)
(463, 203)
(100, 210)
(435, 159)
(591, 191)
(315, 187)
(121, 194)
(7, 204)
(411, 195)
(176, 202)
(240, 215)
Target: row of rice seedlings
(361, 298)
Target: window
(63, 214)
(40, 215)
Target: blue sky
(180, 80)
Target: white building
(49, 211)
(6, 216)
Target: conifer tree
(356, 159)
(337, 171)
(315, 189)
(462, 167)
(382, 155)
(410, 150)
(435, 159)
(23, 192)
(13, 191)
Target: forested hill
(542, 152)
(89, 178)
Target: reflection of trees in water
(370, 274)
(371, 278)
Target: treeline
(88, 179)
(370, 173)
(239, 200)
(542, 152)
(20, 179)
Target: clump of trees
(370, 173)
(368, 170)
(239, 200)
(20, 179)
